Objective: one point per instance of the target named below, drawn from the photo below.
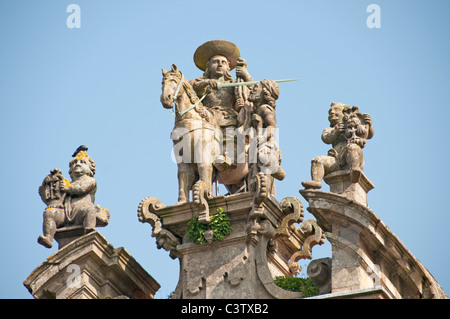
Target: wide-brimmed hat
(216, 47)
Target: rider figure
(217, 58)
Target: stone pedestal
(89, 267)
(65, 235)
(264, 243)
(353, 185)
(368, 260)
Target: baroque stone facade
(233, 245)
(244, 263)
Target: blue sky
(99, 85)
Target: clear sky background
(99, 85)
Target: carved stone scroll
(308, 234)
(295, 214)
(201, 193)
(147, 214)
(261, 193)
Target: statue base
(264, 243)
(352, 184)
(90, 268)
(65, 235)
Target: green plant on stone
(196, 231)
(219, 224)
(297, 284)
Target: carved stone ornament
(309, 233)
(224, 129)
(147, 214)
(348, 132)
(70, 204)
(201, 194)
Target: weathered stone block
(319, 270)
(354, 185)
(90, 268)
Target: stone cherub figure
(264, 121)
(349, 129)
(71, 203)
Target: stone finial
(71, 211)
(348, 132)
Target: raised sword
(226, 85)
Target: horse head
(172, 80)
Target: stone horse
(196, 138)
(193, 135)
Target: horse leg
(186, 178)
(205, 172)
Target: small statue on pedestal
(71, 203)
(349, 129)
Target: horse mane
(193, 97)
